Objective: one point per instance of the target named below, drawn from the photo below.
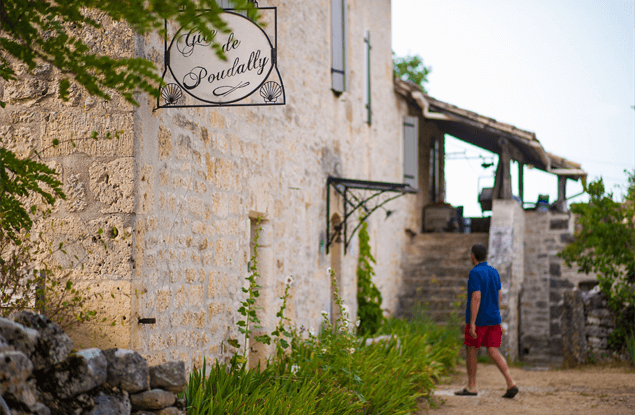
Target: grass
(388, 377)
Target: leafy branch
(50, 31)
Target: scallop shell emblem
(171, 94)
(270, 92)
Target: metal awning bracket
(360, 198)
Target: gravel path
(588, 390)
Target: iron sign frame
(175, 88)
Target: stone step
(431, 304)
(431, 290)
(436, 269)
(435, 281)
(438, 316)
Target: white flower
(323, 350)
(312, 331)
(325, 313)
(289, 280)
(328, 271)
(343, 329)
(352, 350)
(358, 322)
(295, 368)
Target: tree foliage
(368, 295)
(20, 178)
(34, 31)
(411, 68)
(605, 244)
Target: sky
(562, 69)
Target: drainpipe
(423, 103)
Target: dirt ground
(606, 390)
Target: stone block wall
(546, 280)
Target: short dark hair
(480, 252)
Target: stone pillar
(506, 254)
(561, 202)
(574, 344)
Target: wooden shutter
(411, 151)
(367, 77)
(338, 41)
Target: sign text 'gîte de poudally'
(195, 76)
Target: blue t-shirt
(485, 279)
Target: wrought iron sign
(361, 198)
(195, 76)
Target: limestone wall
(204, 176)
(98, 173)
(176, 194)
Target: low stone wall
(587, 323)
(600, 322)
(39, 374)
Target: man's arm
(474, 305)
(500, 298)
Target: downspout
(423, 103)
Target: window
(338, 41)
(411, 151)
(367, 77)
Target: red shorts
(490, 335)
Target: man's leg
(502, 365)
(471, 368)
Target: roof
(487, 133)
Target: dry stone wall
(40, 374)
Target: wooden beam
(521, 182)
(503, 182)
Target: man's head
(479, 253)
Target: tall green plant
(605, 244)
(369, 297)
(248, 308)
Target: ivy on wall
(368, 295)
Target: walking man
(483, 320)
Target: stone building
(163, 203)
(523, 243)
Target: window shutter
(338, 40)
(411, 151)
(367, 77)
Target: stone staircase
(436, 270)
